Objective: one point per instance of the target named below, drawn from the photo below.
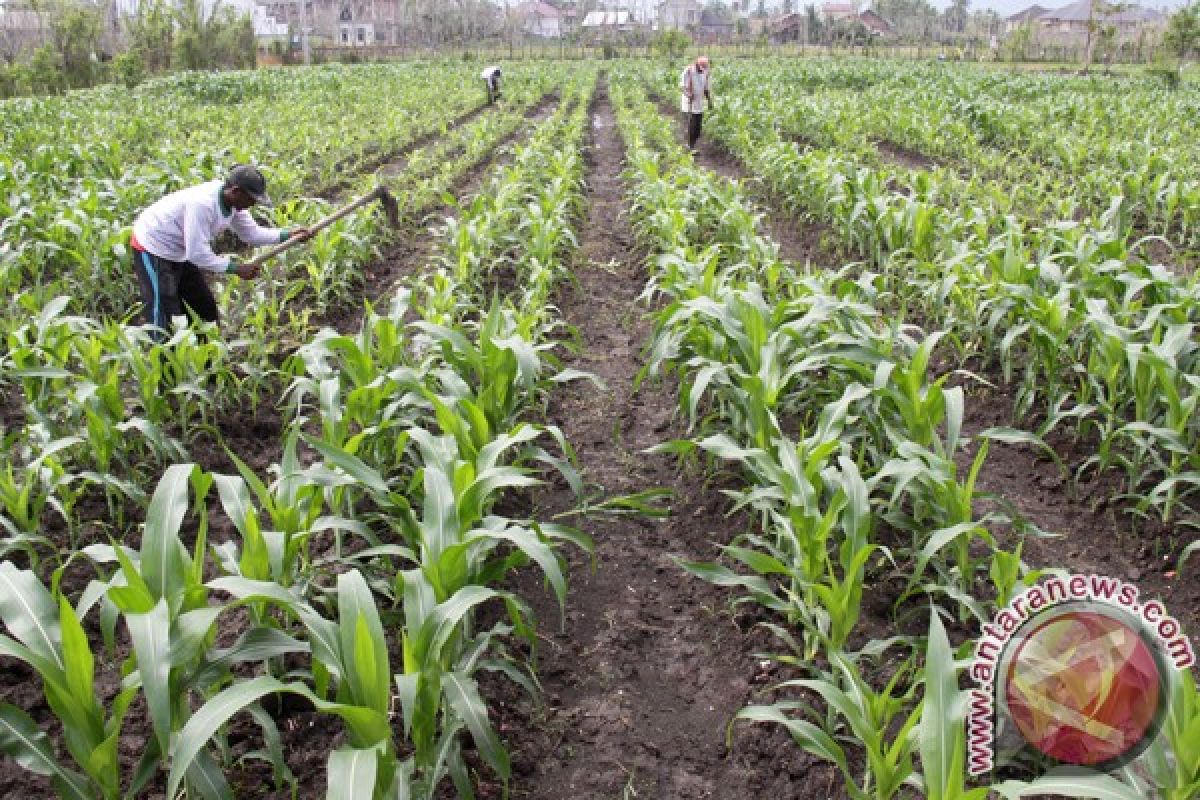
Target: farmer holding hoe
(491, 79)
(695, 84)
(172, 244)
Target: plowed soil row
(650, 666)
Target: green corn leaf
(942, 538)
(351, 774)
(804, 733)
(30, 614)
(444, 619)
(164, 560)
(205, 723)
(21, 740)
(363, 643)
(151, 636)
(1064, 782)
(463, 695)
(353, 466)
(940, 732)
(204, 778)
(536, 548)
(77, 654)
(439, 519)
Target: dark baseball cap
(250, 181)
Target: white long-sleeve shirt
(182, 226)
(699, 83)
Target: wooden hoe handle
(289, 243)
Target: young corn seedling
(46, 634)
(880, 722)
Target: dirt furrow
(1095, 533)
(414, 248)
(399, 154)
(800, 242)
(650, 666)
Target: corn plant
(46, 633)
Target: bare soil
(904, 156)
(643, 680)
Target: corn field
(616, 470)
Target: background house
(1072, 20)
(714, 26)
(608, 26)
(22, 31)
(679, 15)
(875, 24)
(541, 20)
(1069, 25)
(1022, 17)
(832, 12)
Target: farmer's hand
(248, 270)
(301, 234)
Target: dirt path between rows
(415, 247)
(800, 241)
(651, 666)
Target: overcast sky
(1005, 7)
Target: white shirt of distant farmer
(698, 80)
(182, 226)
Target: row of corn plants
(1096, 341)
(356, 572)
(1054, 146)
(103, 408)
(846, 445)
(66, 201)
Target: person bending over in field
(697, 95)
(172, 244)
(491, 79)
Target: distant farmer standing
(491, 79)
(172, 244)
(694, 83)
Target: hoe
(379, 193)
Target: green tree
(74, 33)
(223, 39)
(956, 16)
(1098, 14)
(812, 23)
(1017, 44)
(152, 34)
(1183, 32)
(671, 44)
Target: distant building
(1022, 17)
(679, 15)
(21, 32)
(608, 26)
(1074, 18)
(875, 24)
(794, 27)
(349, 23)
(832, 12)
(541, 20)
(714, 26)
(788, 28)
(1069, 24)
